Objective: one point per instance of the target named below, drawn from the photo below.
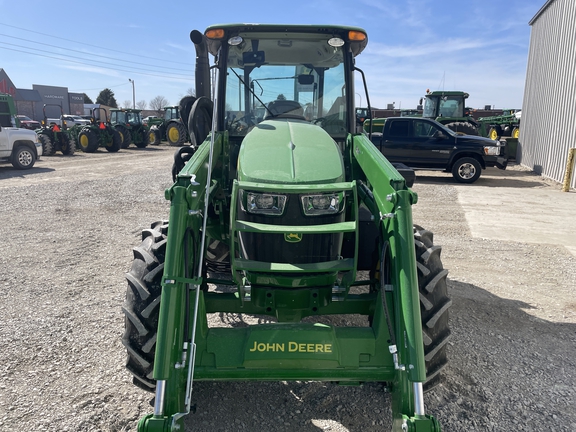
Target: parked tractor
(99, 133)
(173, 127)
(283, 211)
(448, 108)
(128, 122)
(55, 137)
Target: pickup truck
(71, 120)
(422, 143)
(19, 146)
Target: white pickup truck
(19, 146)
(71, 120)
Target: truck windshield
(281, 76)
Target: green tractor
(189, 121)
(291, 215)
(128, 122)
(56, 137)
(448, 108)
(99, 133)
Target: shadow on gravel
(506, 366)
(9, 172)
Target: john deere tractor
(173, 126)
(128, 122)
(448, 108)
(284, 211)
(99, 133)
(55, 137)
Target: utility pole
(133, 94)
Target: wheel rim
(84, 141)
(493, 134)
(516, 133)
(466, 171)
(174, 135)
(25, 158)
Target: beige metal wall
(548, 125)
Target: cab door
(430, 146)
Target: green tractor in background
(99, 133)
(448, 108)
(285, 213)
(185, 122)
(56, 137)
(506, 125)
(128, 122)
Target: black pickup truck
(423, 143)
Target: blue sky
(414, 45)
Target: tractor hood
(289, 152)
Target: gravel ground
(67, 232)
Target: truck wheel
(125, 136)
(68, 145)
(434, 304)
(463, 128)
(88, 141)
(47, 146)
(116, 142)
(466, 170)
(23, 158)
(176, 134)
(141, 307)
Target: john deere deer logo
(292, 237)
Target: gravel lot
(67, 232)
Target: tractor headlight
(322, 204)
(263, 203)
(491, 151)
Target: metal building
(548, 124)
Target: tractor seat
(285, 109)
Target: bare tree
(158, 103)
(141, 104)
(191, 91)
(127, 104)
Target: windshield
(293, 76)
(447, 106)
(134, 118)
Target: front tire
(116, 142)
(68, 146)
(154, 137)
(466, 170)
(434, 304)
(141, 307)
(125, 136)
(23, 158)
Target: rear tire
(88, 141)
(141, 308)
(515, 132)
(176, 134)
(466, 170)
(47, 146)
(434, 304)
(463, 128)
